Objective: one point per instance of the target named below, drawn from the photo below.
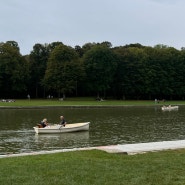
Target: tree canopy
(132, 71)
(63, 70)
(13, 70)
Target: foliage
(96, 69)
(37, 65)
(100, 65)
(130, 76)
(13, 70)
(63, 70)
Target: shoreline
(127, 149)
(76, 106)
(83, 103)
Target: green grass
(95, 168)
(85, 102)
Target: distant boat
(75, 127)
(169, 108)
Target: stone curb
(129, 149)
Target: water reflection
(108, 126)
(56, 141)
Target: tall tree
(100, 64)
(53, 45)
(37, 62)
(180, 68)
(63, 70)
(13, 70)
(130, 74)
(161, 71)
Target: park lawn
(94, 167)
(84, 102)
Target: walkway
(129, 149)
(144, 147)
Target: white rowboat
(169, 108)
(75, 127)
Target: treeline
(95, 69)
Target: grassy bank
(85, 102)
(95, 168)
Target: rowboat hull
(75, 127)
(170, 108)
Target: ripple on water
(108, 126)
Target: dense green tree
(161, 71)
(79, 50)
(100, 64)
(130, 74)
(146, 72)
(136, 45)
(180, 77)
(13, 71)
(53, 45)
(106, 44)
(131, 71)
(63, 70)
(37, 64)
(86, 47)
(118, 84)
(13, 44)
(177, 64)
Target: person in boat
(62, 122)
(43, 123)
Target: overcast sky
(77, 22)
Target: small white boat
(170, 107)
(75, 127)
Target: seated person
(43, 123)
(62, 122)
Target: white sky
(77, 22)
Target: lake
(109, 126)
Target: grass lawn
(95, 168)
(85, 102)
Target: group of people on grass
(44, 122)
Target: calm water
(108, 126)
